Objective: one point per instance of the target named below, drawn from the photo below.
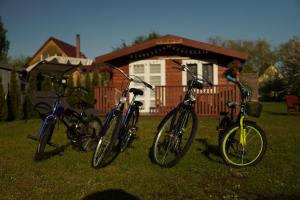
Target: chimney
(78, 54)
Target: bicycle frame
(57, 111)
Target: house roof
(175, 43)
(68, 49)
(58, 65)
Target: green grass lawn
(201, 174)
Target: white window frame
(146, 98)
(199, 64)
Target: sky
(103, 25)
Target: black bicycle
(177, 130)
(117, 134)
(82, 128)
(241, 141)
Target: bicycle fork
(242, 132)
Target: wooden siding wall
(118, 79)
(50, 48)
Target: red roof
(68, 49)
(172, 40)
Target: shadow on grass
(276, 113)
(111, 194)
(54, 152)
(277, 197)
(211, 152)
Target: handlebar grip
(230, 78)
(177, 62)
(148, 85)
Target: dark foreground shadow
(211, 152)
(55, 152)
(111, 194)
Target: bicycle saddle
(232, 104)
(138, 103)
(196, 84)
(136, 91)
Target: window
(154, 68)
(193, 68)
(208, 72)
(138, 69)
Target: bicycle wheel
(238, 155)
(45, 137)
(128, 133)
(105, 144)
(175, 136)
(89, 132)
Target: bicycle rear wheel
(45, 137)
(175, 135)
(89, 132)
(105, 144)
(128, 131)
(238, 155)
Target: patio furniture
(293, 104)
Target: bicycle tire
(92, 128)
(108, 134)
(228, 152)
(44, 139)
(156, 147)
(131, 122)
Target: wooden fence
(210, 101)
(107, 98)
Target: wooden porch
(210, 101)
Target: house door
(151, 71)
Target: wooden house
(153, 62)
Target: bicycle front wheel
(175, 135)
(240, 155)
(45, 137)
(105, 143)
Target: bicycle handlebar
(133, 78)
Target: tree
(273, 88)
(4, 43)
(261, 54)
(3, 104)
(89, 97)
(28, 107)
(14, 97)
(95, 79)
(137, 40)
(289, 61)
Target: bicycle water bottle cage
(138, 103)
(196, 84)
(136, 91)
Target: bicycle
(177, 130)
(115, 129)
(241, 141)
(81, 128)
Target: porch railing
(210, 101)
(107, 98)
